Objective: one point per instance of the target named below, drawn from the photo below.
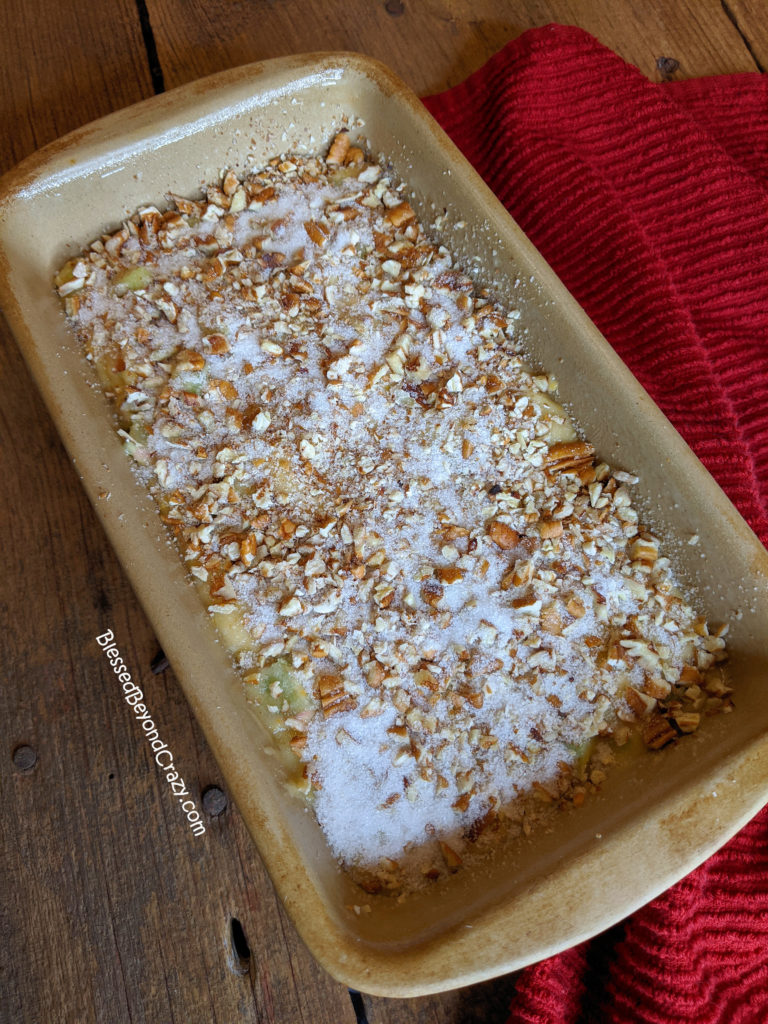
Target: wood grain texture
(111, 909)
(64, 65)
(435, 44)
(750, 19)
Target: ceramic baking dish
(657, 817)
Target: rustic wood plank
(113, 910)
(64, 64)
(433, 46)
(750, 21)
(60, 66)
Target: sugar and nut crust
(441, 603)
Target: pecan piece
(657, 732)
(502, 535)
(431, 592)
(333, 697)
(452, 859)
(567, 455)
(449, 574)
(400, 214)
(550, 528)
(339, 149)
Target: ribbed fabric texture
(651, 203)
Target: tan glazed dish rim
(656, 817)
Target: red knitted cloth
(651, 203)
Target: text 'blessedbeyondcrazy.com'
(163, 756)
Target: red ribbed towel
(651, 203)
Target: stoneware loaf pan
(657, 816)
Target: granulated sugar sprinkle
(441, 604)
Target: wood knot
(214, 801)
(667, 66)
(24, 758)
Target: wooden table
(112, 910)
